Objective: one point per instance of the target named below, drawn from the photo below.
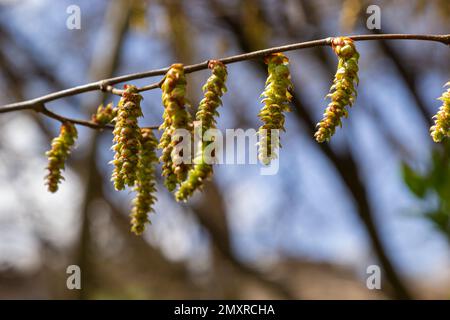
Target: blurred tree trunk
(103, 65)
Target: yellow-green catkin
(166, 159)
(441, 128)
(104, 115)
(145, 182)
(207, 111)
(175, 117)
(343, 91)
(58, 154)
(127, 138)
(276, 98)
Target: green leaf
(441, 221)
(415, 182)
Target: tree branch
(106, 85)
(42, 109)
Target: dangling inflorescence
(343, 91)
(145, 182)
(213, 90)
(175, 117)
(58, 154)
(104, 115)
(441, 128)
(127, 138)
(276, 98)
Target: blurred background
(378, 194)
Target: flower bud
(104, 115)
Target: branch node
(103, 86)
(40, 108)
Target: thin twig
(107, 84)
(42, 109)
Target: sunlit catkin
(58, 154)
(175, 117)
(343, 91)
(213, 90)
(127, 138)
(441, 127)
(276, 98)
(145, 182)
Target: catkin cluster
(127, 138)
(343, 90)
(135, 156)
(213, 90)
(145, 182)
(276, 98)
(104, 115)
(58, 154)
(175, 117)
(441, 128)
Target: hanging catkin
(343, 91)
(213, 90)
(276, 98)
(145, 182)
(126, 137)
(58, 154)
(175, 117)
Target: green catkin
(343, 91)
(145, 182)
(276, 98)
(58, 154)
(127, 138)
(175, 117)
(441, 128)
(104, 115)
(213, 90)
